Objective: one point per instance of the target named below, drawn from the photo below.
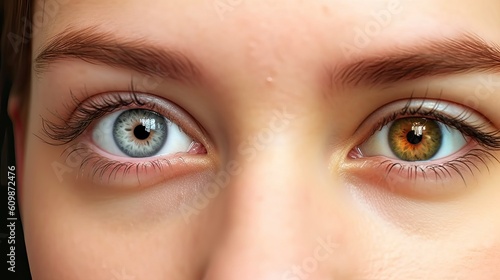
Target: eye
(414, 139)
(411, 146)
(140, 133)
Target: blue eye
(139, 133)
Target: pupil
(412, 138)
(140, 132)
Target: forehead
(264, 39)
(275, 24)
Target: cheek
(58, 240)
(408, 257)
(486, 264)
(72, 232)
(67, 239)
(481, 254)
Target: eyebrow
(97, 47)
(464, 54)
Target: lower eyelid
(451, 174)
(87, 146)
(110, 171)
(104, 169)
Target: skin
(287, 196)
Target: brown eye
(413, 139)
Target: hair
(15, 67)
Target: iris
(409, 144)
(140, 133)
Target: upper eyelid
(68, 127)
(412, 107)
(86, 112)
(472, 123)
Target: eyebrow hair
(97, 47)
(465, 54)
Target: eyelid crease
(483, 141)
(469, 123)
(68, 128)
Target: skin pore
(280, 96)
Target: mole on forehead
(270, 46)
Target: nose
(285, 217)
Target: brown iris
(409, 143)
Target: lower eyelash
(102, 170)
(486, 138)
(482, 135)
(466, 163)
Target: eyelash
(83, 116)
(103, 170)
(486, 139)
(68, 129)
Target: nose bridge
(275, 212)
(267, 223)
(275, 187)
(272, 186)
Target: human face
(279, 171)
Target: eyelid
(169, 110)
(114, 171)
(420, 178)
(425, 108)
(86, 112)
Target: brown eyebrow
(99, 47)
(465, 54)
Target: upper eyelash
(68, 129)
(83, 112)
(489, 139)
